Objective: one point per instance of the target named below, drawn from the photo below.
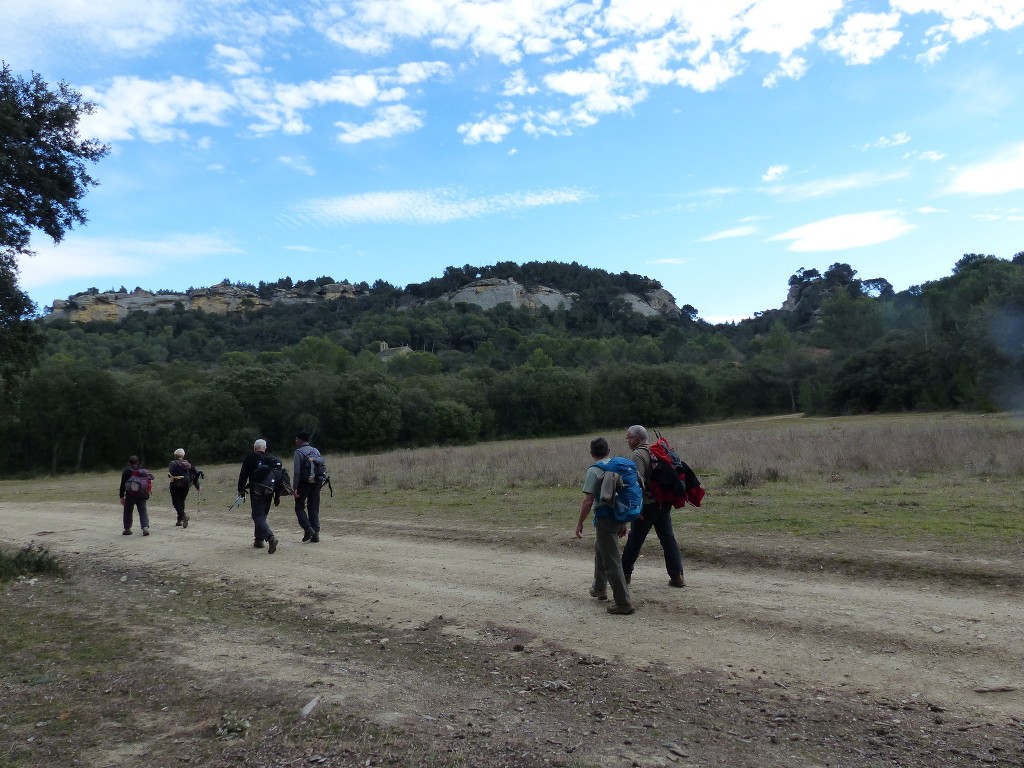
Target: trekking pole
(237, 503)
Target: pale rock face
(225, 298)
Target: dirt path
(912, 640)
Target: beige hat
(180, 453)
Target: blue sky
(717, 147)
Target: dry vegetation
(94, 677)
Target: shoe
(178, 524)
(316, 538)
(126, 532)
(307, 534)
(677, 581)
(145, 531)
(600, 594)
(621, 610)
(184, 522)
(258, 544)
(629, 578)
(273, 545)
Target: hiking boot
(600, 594)
(621, 610)
(677, 581)
(629, 577)
(178, 524)
(273, 545)
(184, 522)
(307, 534)
(145, 531)
(126, 532)
(315, 538)
(258, 544)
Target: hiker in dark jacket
(259, 502)
(182, 477)
(307, 490)
(131, 499)
(655, 515)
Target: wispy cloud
(745, 231)
(825, 187)
(774, 173)
(839, 233)
(299, 163)
(117, 260)
(387, 123)
(885, 142)
(437, 206)
(864, 37)
(1004, 173)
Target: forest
(155, 381)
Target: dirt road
(958, 648)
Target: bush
(31, 560)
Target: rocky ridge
(226, 298)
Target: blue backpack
(628, 500)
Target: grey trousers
(608, 560)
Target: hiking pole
(238, 502)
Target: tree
(42, 179)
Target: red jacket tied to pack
(672, 480)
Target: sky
(717, 146)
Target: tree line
(212, 383)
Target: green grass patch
(33, 560)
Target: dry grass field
(853, 599)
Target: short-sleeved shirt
(592, 484)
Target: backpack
(180, 474)
(313, 468)
(139, 484)
(268, 478)
(672, 480)
(620, 489)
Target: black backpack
(268, 478)
(313, 468)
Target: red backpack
(672, 480)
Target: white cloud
(966, 19)
(152, 111)
(726, 234)
(388, 122)
(299, 163)
(931, 155)
(826, 187)
(432, 207)
(993, 177)
(885, 142)
(775, 172)
(493, 129)
(839, 233)
(234, 61)
(864, 37)
(92, 259)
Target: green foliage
(32, 560)
(210, 383)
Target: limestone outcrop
(226, 298)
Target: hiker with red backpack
(656, 515)
(136, 487)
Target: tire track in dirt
(908, 639)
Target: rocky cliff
(226, 298)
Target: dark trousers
(307, 506)
(260, 510)
(178, 496)
(660, 519)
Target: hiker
(182, 477)
(251, 480)
(655, 515)
(307, 488)
(136, 485)
(608, 530)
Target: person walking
(182, 477)
(307, 487)
(654, 515)
(136, 486)
(608, 530)
(252, 479)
